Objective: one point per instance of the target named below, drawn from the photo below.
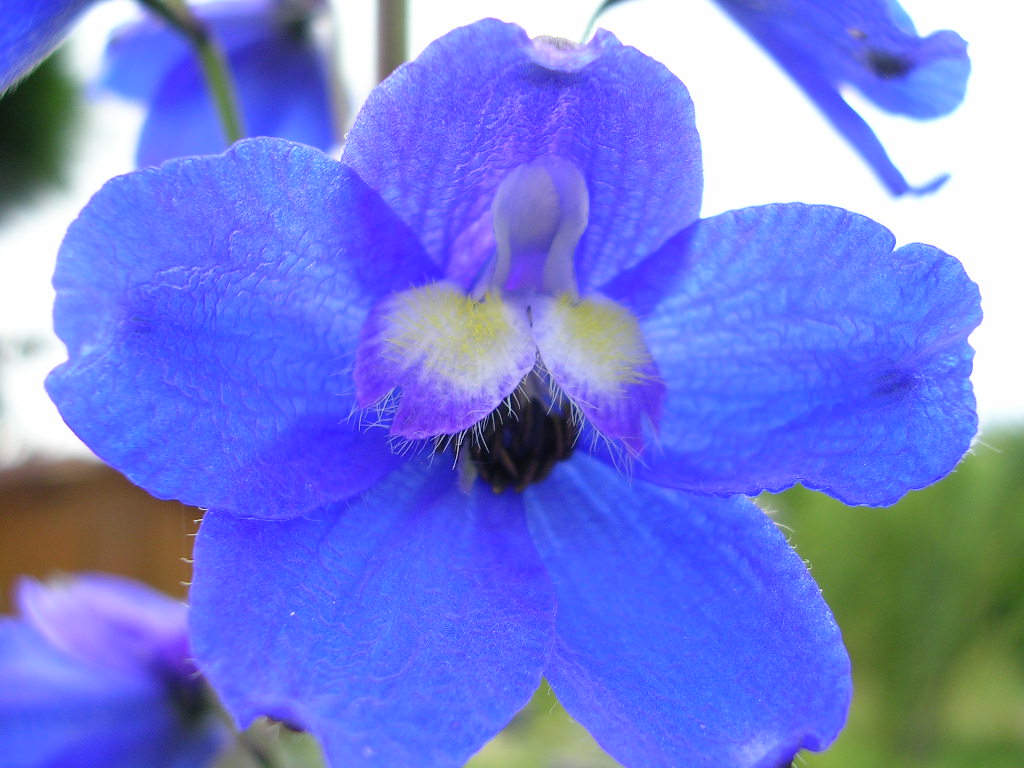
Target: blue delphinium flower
(97, 671)
(870, 45)
(278, 71)
(29, 31)
(480, 403)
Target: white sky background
(763, 142)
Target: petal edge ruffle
(797, 346)
(688, 631)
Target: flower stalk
(212, 60)
(392, 35)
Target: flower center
(508, 370)
(521, 442)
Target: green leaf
(36, 122)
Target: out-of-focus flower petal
(211, 310)
(65, 702)
(436, 144)
(796, 345)
(281, 89)
(29, 30)
(284, 90)
(403, 629)
(140, 53)
(106, 620)
(848, 122)
(868, 44)
(280, 81)
(688, 631)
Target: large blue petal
(871, 45)
(29, 31)
(436, 144)
(211, 310)
(796, 345)
(688, 632)
(402, 629)
(55, 709)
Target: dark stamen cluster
(523, 446)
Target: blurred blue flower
(868, 44)
(279, 74)
(29, 31)
(97, 670)
(374, 373)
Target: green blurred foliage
(542, 736)
(37, 121)
(928, 594)
(266, 744)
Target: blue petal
(29, 31)
(797, 346)
(688, 632)
(211, 310)
(107, 620)
(281, 89)
(404, 629)
(141, 53)
(436, 144)
(55, 709)
(871, 45)
(858, 133)
(280, 81)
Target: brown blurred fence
(80, 515)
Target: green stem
(211, 59)
(589, 31)
(256, 750)
(392, 33)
